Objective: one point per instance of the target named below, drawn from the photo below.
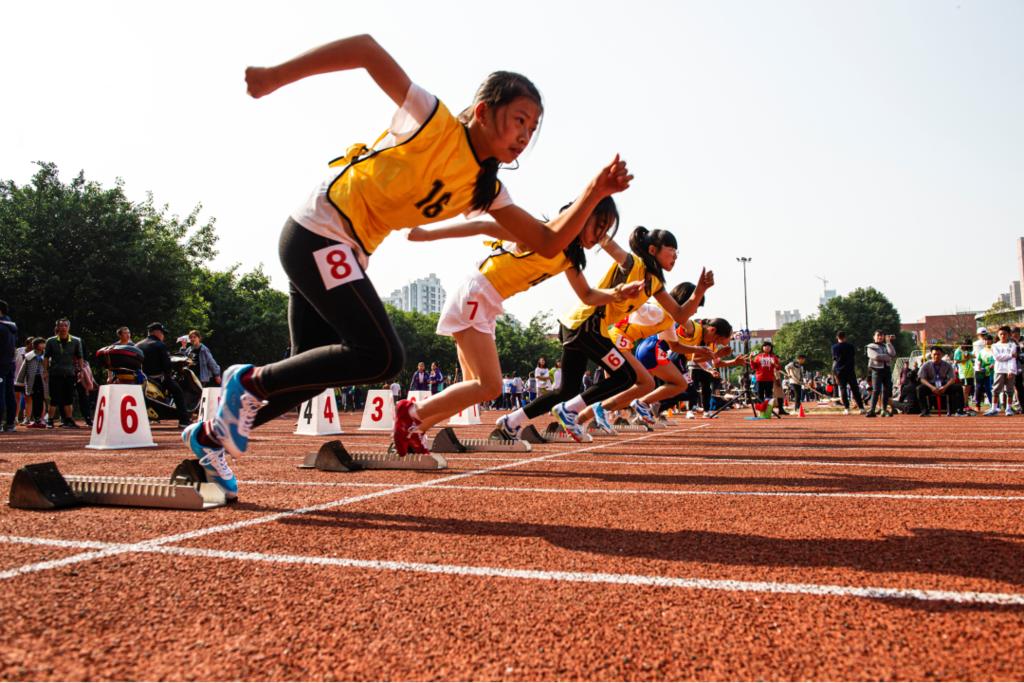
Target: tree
(859, 314)
(1001, 313)
(242, 318)
(88, 253)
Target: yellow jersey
(615, 311)
(646, 321)
(512, 271)
(427, 178)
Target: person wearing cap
(156, 363)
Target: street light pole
(746, 316)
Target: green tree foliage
(88, 253)
(1000, 313)
(859, 314)
(519, 346)
(244, 318)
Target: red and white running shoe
(406, 432)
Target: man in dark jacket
(843, 354)
(156, 363)
(8, 343)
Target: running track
(817, 548)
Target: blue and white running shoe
(567, 419)
(643, 411)
(213, 461)
(602, 420)
(507, 431)
(237, 411)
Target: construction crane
(824, 282)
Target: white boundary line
(724, 585)
(145, 546)
(684, 461)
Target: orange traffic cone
(802, 412)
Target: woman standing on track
(470, 314)
(585, 332)
(429, 166)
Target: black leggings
(579, 346)
(340, 336)
(848, 387)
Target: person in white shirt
(543, 375)
(1005, 372)
(556, 384)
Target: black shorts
(62, 390)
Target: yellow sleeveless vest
(430, 177)
(512, 272)
(616, 311)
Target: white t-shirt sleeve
(415, 110)
(502, 200)
(669, 334)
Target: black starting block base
(334, 457)
(555, 434)
(624, 425)
(42, 487)
(531, 435)
(447, 441)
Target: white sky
(872, 143)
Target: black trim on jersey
(476, 157)
(355, 233)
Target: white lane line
(652, 492)
(144, 546)
(673, 461)
(634, 580)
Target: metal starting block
(555, 434)
(447, 441)
(333, 457)
(531, 435)
(594, 430)
(42, 487)
(624, 425)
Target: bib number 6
(613, 359)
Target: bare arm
(682, 314)
(489, 228)
(612, 248)
(342, 55)
(599, 297)
(550, 239)
(699, 353)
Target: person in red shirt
(766, 367)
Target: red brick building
(943, 329)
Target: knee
(488, 388)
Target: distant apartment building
(826, 297)
(425, 295)
(786, 317)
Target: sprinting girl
(585, 332)
(429, 166)
(650, 333)
(470, 314)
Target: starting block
(531, 435)
(555, 434)
(333, 457)
(43, 487)
(624, 425)
(447, 441)
(594, 430)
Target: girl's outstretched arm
(489, 228)
(549, 239)
(341, 55)
(682, 314)
(618, 254)
(599, 297)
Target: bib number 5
(337, 265)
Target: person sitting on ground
(938, 386)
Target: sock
(575, 405)
(207, 438)
(516, 418)
(251, 381)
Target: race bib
(613, 359)
(337, 265)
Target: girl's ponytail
(486, 188)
